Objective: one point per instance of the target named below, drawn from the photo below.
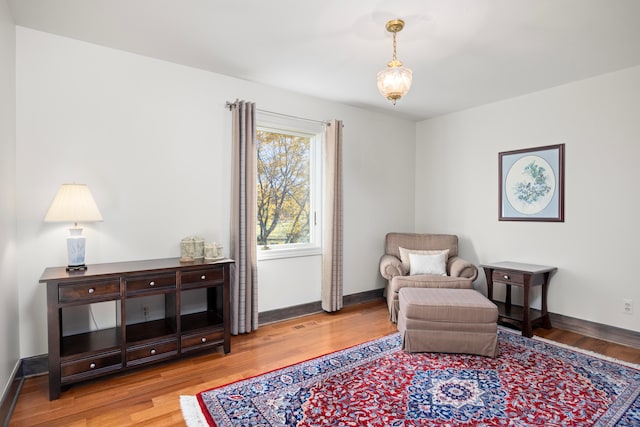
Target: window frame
(315, 132)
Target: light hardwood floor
(151, 396)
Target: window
(289, 190)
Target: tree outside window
(284, 188)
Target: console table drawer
(202, 277)
(151, 352)
(94, 365)
(150, 283)
(86, 291)
(195, 341)
(508, 276)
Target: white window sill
(268, 254)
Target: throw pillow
(428, 264)
(406, 262)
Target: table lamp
(74, 203)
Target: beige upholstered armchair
(435, 265)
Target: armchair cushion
(428, 264)
(406, 260)
(428, 281)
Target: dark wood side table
(524, 276)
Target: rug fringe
(588, 352)
(191, 412)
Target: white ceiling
(463, 53)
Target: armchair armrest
(390, 267)
(458, 267)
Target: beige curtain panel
(244, 284)
(332, 292)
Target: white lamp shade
(73, 203)
(394, 82)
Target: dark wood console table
(158, 310)
(524, 276)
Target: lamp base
(75, 249)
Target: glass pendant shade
(394, 82)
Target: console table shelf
(90, 341)
(140, 336)
(196, 321)
(152, 330)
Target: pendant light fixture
(394, 81)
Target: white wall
(596, 249)
(9, 332)
(152, 141)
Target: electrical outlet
(627, 306)
(145, 311)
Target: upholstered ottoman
(447, 321)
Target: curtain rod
(232, 104)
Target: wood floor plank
(606, 348)
(150, 397)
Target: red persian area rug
(533, 382)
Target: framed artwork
(531, 184)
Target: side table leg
(527, 330)
(546, 321)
